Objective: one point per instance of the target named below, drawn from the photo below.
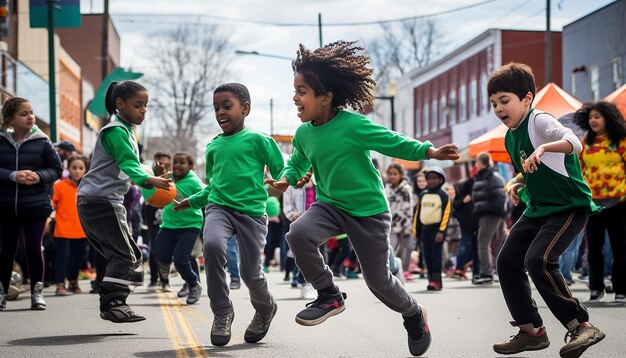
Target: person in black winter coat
(489, 200)
(463, 208)
(29, 165)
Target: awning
(619, 98)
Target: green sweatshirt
(185, 188)
(339, 152)
(116, 144)
(235, 168)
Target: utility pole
(548, 49)
(105, 40)
(52, 72)
(271, 116)
(319, 26)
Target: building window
(618, 80)
(484, 100)
(418, 123)
(473, 98)
(462, 103)
(594, 81)
(443, 112)
(433, 116)
(426, 127)
(451, 107)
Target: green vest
(548, 191)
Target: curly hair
(615, 127)
(340, 68)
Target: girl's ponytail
(109, 101)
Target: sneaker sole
(315, 322)
(578, 351)
(107, 317)
(527, 348)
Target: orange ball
(162, 197)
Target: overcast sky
(272, 78)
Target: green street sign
(66, 13)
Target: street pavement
(465, 321)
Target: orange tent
(552, 99)
(619, 98)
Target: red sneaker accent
(334, 304)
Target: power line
(280, 24)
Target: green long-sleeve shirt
(339, 152)
(235, 168)
(185, 187)
(115, 142)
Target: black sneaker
(418, 332)
(325, 306)
(118, 311)
(259, 326)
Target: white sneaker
(620, 298)
(36, 299)
(307, 292)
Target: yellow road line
(187, 331)
(171, 329)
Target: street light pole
(256, 53)
(52, 72)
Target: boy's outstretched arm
(445, 152)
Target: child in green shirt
(558, 204)
(350, 193)
(235, 198)
(114, 163)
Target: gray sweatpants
(490, 231)
(220, 225)
(369, 236)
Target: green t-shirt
(235, 168)
(190, 218)
(339, 152)
(558, 184)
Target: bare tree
(189, 63)
(400, 48)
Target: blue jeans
(178, 243)
(232, 258)
(70, 256)
(468, 250)
(568, 258)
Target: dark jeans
(275, 239)
(232, 258)
(612, 220)
(178, 243)
(535, 245)
(10, 228)
(433, 252)
(70, 256)
(468, 251)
